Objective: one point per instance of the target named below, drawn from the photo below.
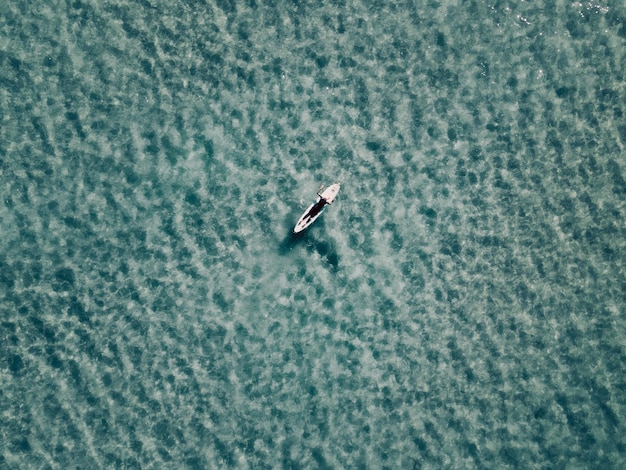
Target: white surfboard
(315, 210)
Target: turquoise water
(460, 305)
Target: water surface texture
(460, 305)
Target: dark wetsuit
(316, 209)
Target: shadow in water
(325, 248)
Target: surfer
(319, 205)
(325, 197)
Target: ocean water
(460, 305)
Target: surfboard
(315, 210)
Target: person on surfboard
(319, 205)
(314, 210)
